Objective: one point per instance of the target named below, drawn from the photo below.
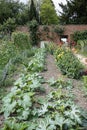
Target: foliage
(82, 45)
(10, 9)
(21, 40)
(33, 27)
(59, 30)
(51, 47)
(85, 81)
(68, 63)
(80, 35)
(38, 62)
(72, 12)
(24, 109)
(60, 83)
(21, 98)
(11, 57)
(47, 8)
(9, 26)
(7, 50)
(57, 111)
(11, 66)
(33, 14)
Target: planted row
(19, 101)
(68, 63)
(56, 111)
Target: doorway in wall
(64, 38)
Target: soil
(53, 71)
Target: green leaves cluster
(14, 56)
(33, 27)
(57, 111)
(47, 8)
(37, 63)
(68, 63)
(8, 26)
(7, 50)
(19, 102)
(80, 35)
(20, 98)
(85, 81)
(21, 40)
(51, 47)
(72, 12)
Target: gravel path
(52, 71)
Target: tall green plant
(33, 14)
(33, 27)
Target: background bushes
(80, 35)
(21, 40)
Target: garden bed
(53, 71)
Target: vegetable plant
(68, 63)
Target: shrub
(21, 40)
(7, 51)
(79, 35)
(68, 63)
(9, 26)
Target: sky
(55, 3)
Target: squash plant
(37, 63)
(57, 112)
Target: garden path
(53, 71)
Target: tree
(74, 12)
(33, 14)
(10, 8)
(33, 27)
(47, 13)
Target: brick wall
(70, 29)
(52, 36)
